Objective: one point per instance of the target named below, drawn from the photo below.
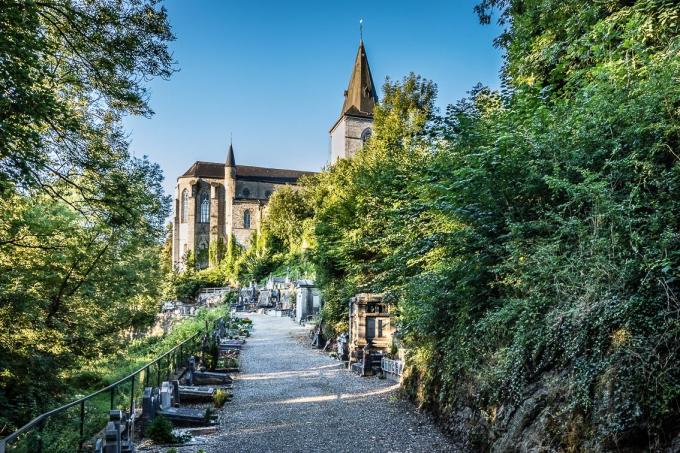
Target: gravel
(289, 397)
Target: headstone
(191, 368)
(166, 395)
(210, 378)
(222, 328)
(111, 438)
(175, 391)
(193, 393)
(148, 405)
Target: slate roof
(244, 172)
(360, 97)
(205, 170)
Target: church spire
(360, 97)
(231, 162)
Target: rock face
(541, 421)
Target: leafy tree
(82, 221)
(528, 237)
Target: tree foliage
(529, 237)
(80, 219)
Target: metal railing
(34, 431)
(216, 290)
(395, 367)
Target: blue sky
(273, 73)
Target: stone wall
(189, 235)
(255, 190)
(241, 233)
(346, 137)
(355, 127)
(338, 141)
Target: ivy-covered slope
(529, 238)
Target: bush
(220, 398)
(160, 431)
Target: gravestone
(175, 391)
(205, 377)
(118, 434)
(150, 405)
(111, 438)
(194, 393)
(166, 395)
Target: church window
(365, 135)
(246, 219)
(246, 192)
(185, 206)
(205, 208)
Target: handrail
(40, 418)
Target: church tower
(353, 128)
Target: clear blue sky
(273, 74)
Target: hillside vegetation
(528, 238)
(81, 219)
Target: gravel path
(290, 398)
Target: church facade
(217, 201)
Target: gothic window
(365, 135)
(204, 201)
(246, 192)
(184, 209)
(246, 219)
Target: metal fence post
(112, 396)
(132, 395)
(82, 425)
(41, 425)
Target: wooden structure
(369, 321)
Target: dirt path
(289, 398)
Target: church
(215, 201)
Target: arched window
(184, 209)
(365, 135)
(246, 192)
(246, 219)
(205, 208)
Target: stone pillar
(176, 252)
(214, 212)
(229, 194)
(191, 220)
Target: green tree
(82, 221)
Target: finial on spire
(361, 30)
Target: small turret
(231, 162)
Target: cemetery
(370, 347)
(182, 387)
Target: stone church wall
(338, 141)
(255, 189)
(355, 127)
(241, 233)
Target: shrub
(160, 431)
(220, 398)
